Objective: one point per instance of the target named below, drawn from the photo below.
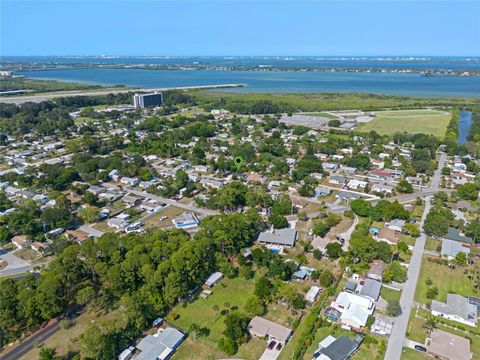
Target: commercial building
(147, 100)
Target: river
(464, 124)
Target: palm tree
(430, 323)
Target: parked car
(272, 345)
(279, 346)
(420, 348)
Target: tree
(361, 207)
(430, 323)
(405, 187)
(326, 278)
(317, 254)
(254, 306)
(394, 308)
(467, 191)
(236, 328)
(395, 272)
(227, 345)
(432, 293)
(411, 229)
(47, 353)
(473, 230)
(334, 123)
(89, 214)
(278, 221)
(461, 258)
(437, 221)
(334, 250)
(263, 288)
(85, 295)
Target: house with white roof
(354, 309)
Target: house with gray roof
(278, 237)
(337, 349)
(371, 289)
(451, 248)
(457, 308)
(159, 346)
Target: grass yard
(417, 332)
(66, 340)
(410, 354)
(390, 295)
(410, 121)
(170, 212)
(445, 279)
(433, 244)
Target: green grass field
(410, 121)
(410, 354)
(445, 279)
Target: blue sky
(229, 27)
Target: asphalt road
(15, 265)
(48, 96)
(396, 340)
(28, 344)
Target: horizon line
(253, 56)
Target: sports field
(425, 121)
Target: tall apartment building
(147, 100)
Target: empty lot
(425, 121)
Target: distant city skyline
(240, 28)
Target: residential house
(457, 308)
(38, 247)
(378, 174)
(388, 235)
(371, 289)
(160, 346)
(340, 348)
(212, 183)
(348, 169)
(337, 180)
(321, 191)
(356, 185)
(261, 327)
(376, 270)
(396, 225)
(382, 189)
(214, 279)
(131, 200)
(451, 248)
(446, 346)
(21, 241)
(320, 243)
(312, 294)
(455, 235)
(278, 237)
(354, 310)
(129, 181)
(186, 221)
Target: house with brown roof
(376, 270)
(39, 247)
(21, 242)
(446, 346)
(76, 236)
(262, 327)
(388, 235)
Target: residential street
(396, 340)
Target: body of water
(465, 122)
(402, 84)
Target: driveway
(270, 354)
(15, 265)
(91, 232)
(348, 234)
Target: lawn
(417, 332)
(390, 295)
(66, 340)
(170, 212)
(410, 354)
(445, 279)
(410, 121)
(433, 244)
